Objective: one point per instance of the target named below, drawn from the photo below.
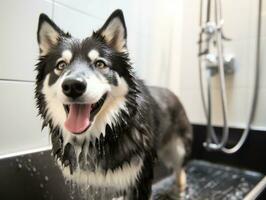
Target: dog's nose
(74, 87)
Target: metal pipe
(255, 89)
(211, 135)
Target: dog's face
(82, 85)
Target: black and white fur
(133, 125)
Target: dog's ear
(114, 31)
(48, 34)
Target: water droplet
(19, 165)
(29, 160)
(88, 187)
(41, 185)
(28, 168)
(34, 169)
(46, 178)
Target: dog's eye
(61, 65)
(100, 64)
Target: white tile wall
(20, 126)
(78, 24)
(136, 12)
(260, 118)
(237, 112)
(240, 24)
(263, 19)
(191, 100)
(240, 19)
(18, 37)
(237, 99)
(263, 63)
(189, 65)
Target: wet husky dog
(106, 126)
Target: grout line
(14, 80)
(87, 14)
(77, 10)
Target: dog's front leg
(142, 189)
(139, 193)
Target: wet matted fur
(126, 124)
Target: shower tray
(208, 181)
(36, 177)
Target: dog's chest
(109, 162)
(120, 178)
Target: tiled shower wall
(153, 40)
(240, 24)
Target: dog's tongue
(78, 118)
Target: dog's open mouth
(80, 116)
